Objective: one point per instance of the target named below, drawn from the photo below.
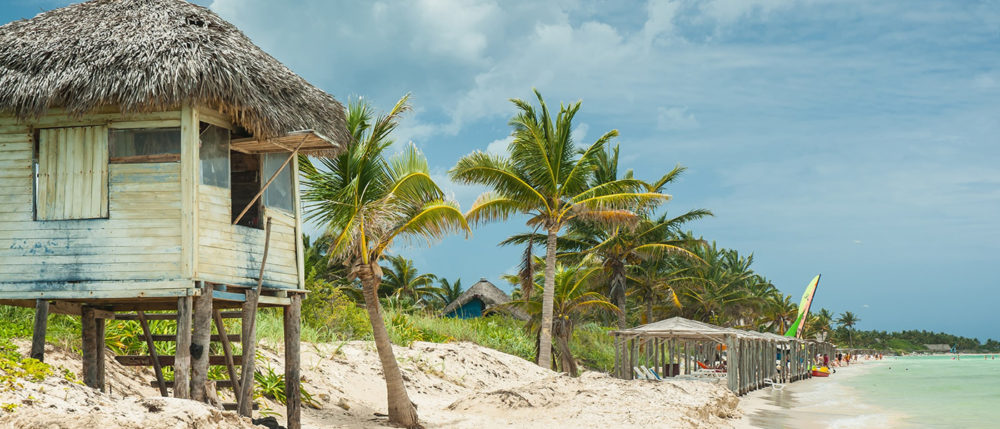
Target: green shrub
(333, 315)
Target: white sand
(815, 403)
(457, 385)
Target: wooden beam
(190, 178)
(233, 338)
(157, 369)
(293, 393)
(173, 316)
(200, 342)
(182, 363)
(227, 351)
(273, 176)
(146, 360)
(38, 333)
(75, 309)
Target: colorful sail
(796, 329)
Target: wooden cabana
(679, 346)
(149, 162)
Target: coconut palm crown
(366, 201)
(548, 178)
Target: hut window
(214, 155)
(145, 145)
(72, 173)
(279, 194)
(245, 179)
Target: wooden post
(41, 324)
(249, 338)
(249, 331)
(182, 360)
(227, 350)
(99, 339)
(153, 355)
(88, 331)
(293, 314)
(201, 341)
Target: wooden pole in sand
(292, 319)
(182, 357)
(249, 330)
(200, 341)
(38, 334)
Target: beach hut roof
(149, 55)
(679, 327)
(485, 291)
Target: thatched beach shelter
(679, 346)
(476, 301)
(148, 161)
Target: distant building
(938, 348)
(477, 300)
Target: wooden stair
(158, 361)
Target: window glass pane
(145, 145)
(279, 194)
(214, 155)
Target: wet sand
(816, 403)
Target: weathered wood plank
(76, 309)
(144, 360)
(108, 294)
(233, 338)
(190, 178)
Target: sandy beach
(454, 385)
(816, 403)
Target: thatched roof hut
(477, 300)
(154, 55)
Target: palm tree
(401, 279)
(548, 178)
(572, 300)
(848, 320)
(449, 292)
(366, 201)
(653, 282)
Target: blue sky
(856, 139)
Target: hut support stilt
(200, 342)
(41, 324)
(182, 359)
(92, 332)
(293, 313)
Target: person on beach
(826, 360)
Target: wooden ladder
(157, 361)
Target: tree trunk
(649, 310)
(562, 333)
(548, 295)
(401, 410)
(618, 290)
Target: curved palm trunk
(562, 333)
(618, 290)
(649, 310)
(401, 410)
(545, 331)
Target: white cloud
(499, 146)
(580, 133)
(675, 118)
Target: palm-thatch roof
(149, 55)
(483, 290)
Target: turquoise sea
(934, 391)
(897, 392)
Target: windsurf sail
(796, 329)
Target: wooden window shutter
(72, 173)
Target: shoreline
(817, 403)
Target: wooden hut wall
(137, 246)
(231, 254)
